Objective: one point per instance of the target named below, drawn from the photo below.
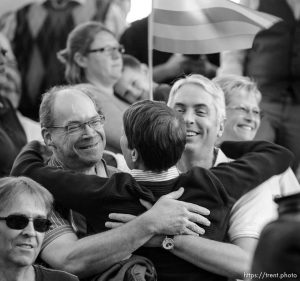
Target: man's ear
(80, 59)
(221, 128)
(47, 137)
(134, 155)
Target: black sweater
(12, 136)
(216, 189)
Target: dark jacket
(274, 60)
(12, 136)
(216, 189)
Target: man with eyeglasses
(73, 129)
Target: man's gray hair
(209, 86)
(47, 105)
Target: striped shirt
(74, 222)
(141, 175)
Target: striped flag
(205, 26)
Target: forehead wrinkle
(17, 207)
(74, 107)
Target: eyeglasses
(246, 110)
(108, 50)
(77, 127)
(19, 222)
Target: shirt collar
(54, 162)
(221, 158)
(141, 175)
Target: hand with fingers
(168, 216)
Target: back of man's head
(157, 132)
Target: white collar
(141, 175)
(221, 158)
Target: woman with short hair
(24, 209)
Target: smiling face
(79, 150)
(200, 115)
(105, 67)
(21, 247)
(133, 85)
(241, 125)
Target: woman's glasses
(109, 50)
(19, 222)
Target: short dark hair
(157, 132)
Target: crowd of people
(99, 182)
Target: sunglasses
(19, 222)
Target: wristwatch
(168, 243)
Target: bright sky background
(139, 9)
(142, 8)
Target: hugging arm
(226, 259)
(257, 161)
(83, 190)
(230, 260)
(95, 253)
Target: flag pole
(150, 52)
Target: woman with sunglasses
(93, 55)
(24, 208)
